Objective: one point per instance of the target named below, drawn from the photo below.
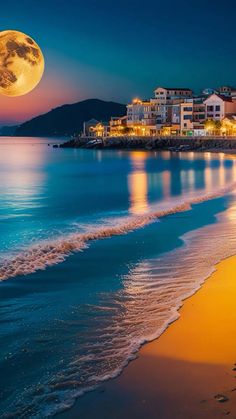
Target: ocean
(98, 250)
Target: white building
(167, 94)
(218, 106)
(158, 110)
(182, 115)
(186, 116)
(165, 98)
(135, 112)
(141, 116)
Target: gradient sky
(116, 50)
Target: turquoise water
(98, 251)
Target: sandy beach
(189, 372)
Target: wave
(142, 315)
(47, 254)
(118, 324)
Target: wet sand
(180, 374)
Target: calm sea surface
(98, 249)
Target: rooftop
(224, 98)
(174, 88)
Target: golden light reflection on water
(138, 183)
(208, 178)
(208, 175)
(205, 332)
(202, 334)
(166, 180)
(222, 174)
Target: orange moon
(21, 63)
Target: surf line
(46, 254)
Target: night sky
(116, 50)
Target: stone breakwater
(154, 143)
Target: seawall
(155, 143)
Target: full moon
(21, 63)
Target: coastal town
(172, 112)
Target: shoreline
(200, 144)
(189, 371)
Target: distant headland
(66, 120)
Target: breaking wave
(46, 254)
(120, 322)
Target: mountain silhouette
(68, 119)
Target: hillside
(68, 119)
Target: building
(141, 117)
(148, 117)
(172, 111)
(218, 106)
(166, 94)
(229, 126)
(227, 91)
(135, 112)
(165, 98)
(199, 116)
(182, 117)
(118, 126)
(87, 132)
(150, 114)
(186, 117)
(101, 129)
(175, 114)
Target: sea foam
(152, 292)
(46, 254)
